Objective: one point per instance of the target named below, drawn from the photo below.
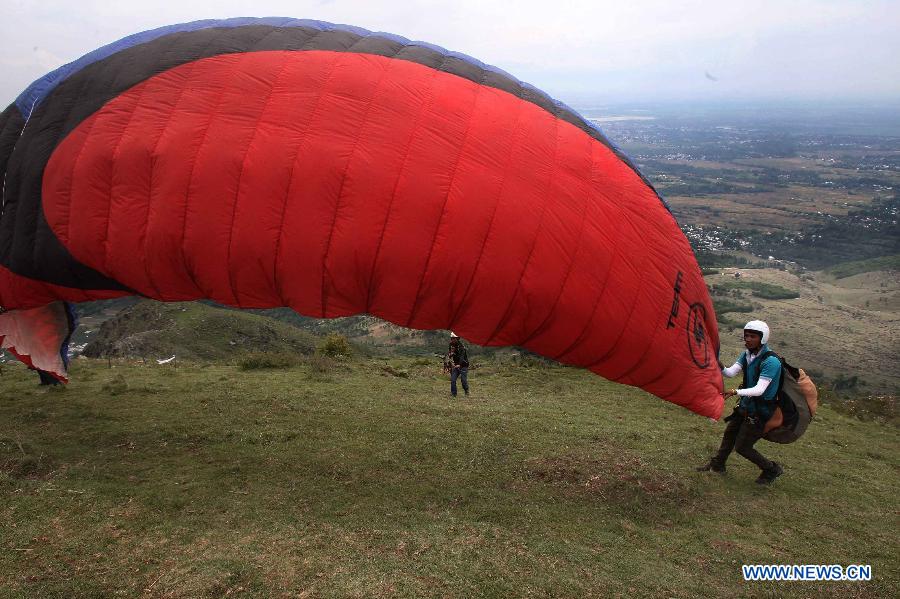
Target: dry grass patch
(619, 480)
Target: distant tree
(335, 346)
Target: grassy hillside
(848, 269)
(371, 334)
(193, 330)
(133, 327)
(338, 479)
(834, 329)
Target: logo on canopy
(698, 339)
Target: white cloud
(757, 47)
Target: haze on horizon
(583, 51)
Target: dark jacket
(459, 355)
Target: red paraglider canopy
(339, 171)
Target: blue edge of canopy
(40, 89)
(35, 93)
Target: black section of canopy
(28, 246)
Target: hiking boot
(711, 466)
(767, 477)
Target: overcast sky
(579, 51)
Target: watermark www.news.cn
(817, 572)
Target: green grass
(258, 360)
(711, 260)
(848, 269)
(194, 330)
(723, 305)
(341, 479)
(758, 289)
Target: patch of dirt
(19, 460)
(623, 479)
(723, 546)
(563, 469)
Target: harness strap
(758, 400)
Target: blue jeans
(462, 374)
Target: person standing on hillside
(757, 404)
(459, 364)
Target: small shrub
(529, 360)
(260, 360)
(335, 346)
(845, 382)
(881, 408)
(397, 372)
(726, 323)
(36, 415)
(319, 364)
(115, 386)
(26, 466)
(759, 289)
(722, 305)
(773, 292)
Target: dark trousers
(462, 374)
(47, 378)
(741, 435)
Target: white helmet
(760, 327)
(453, 335)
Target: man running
(758, 394)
